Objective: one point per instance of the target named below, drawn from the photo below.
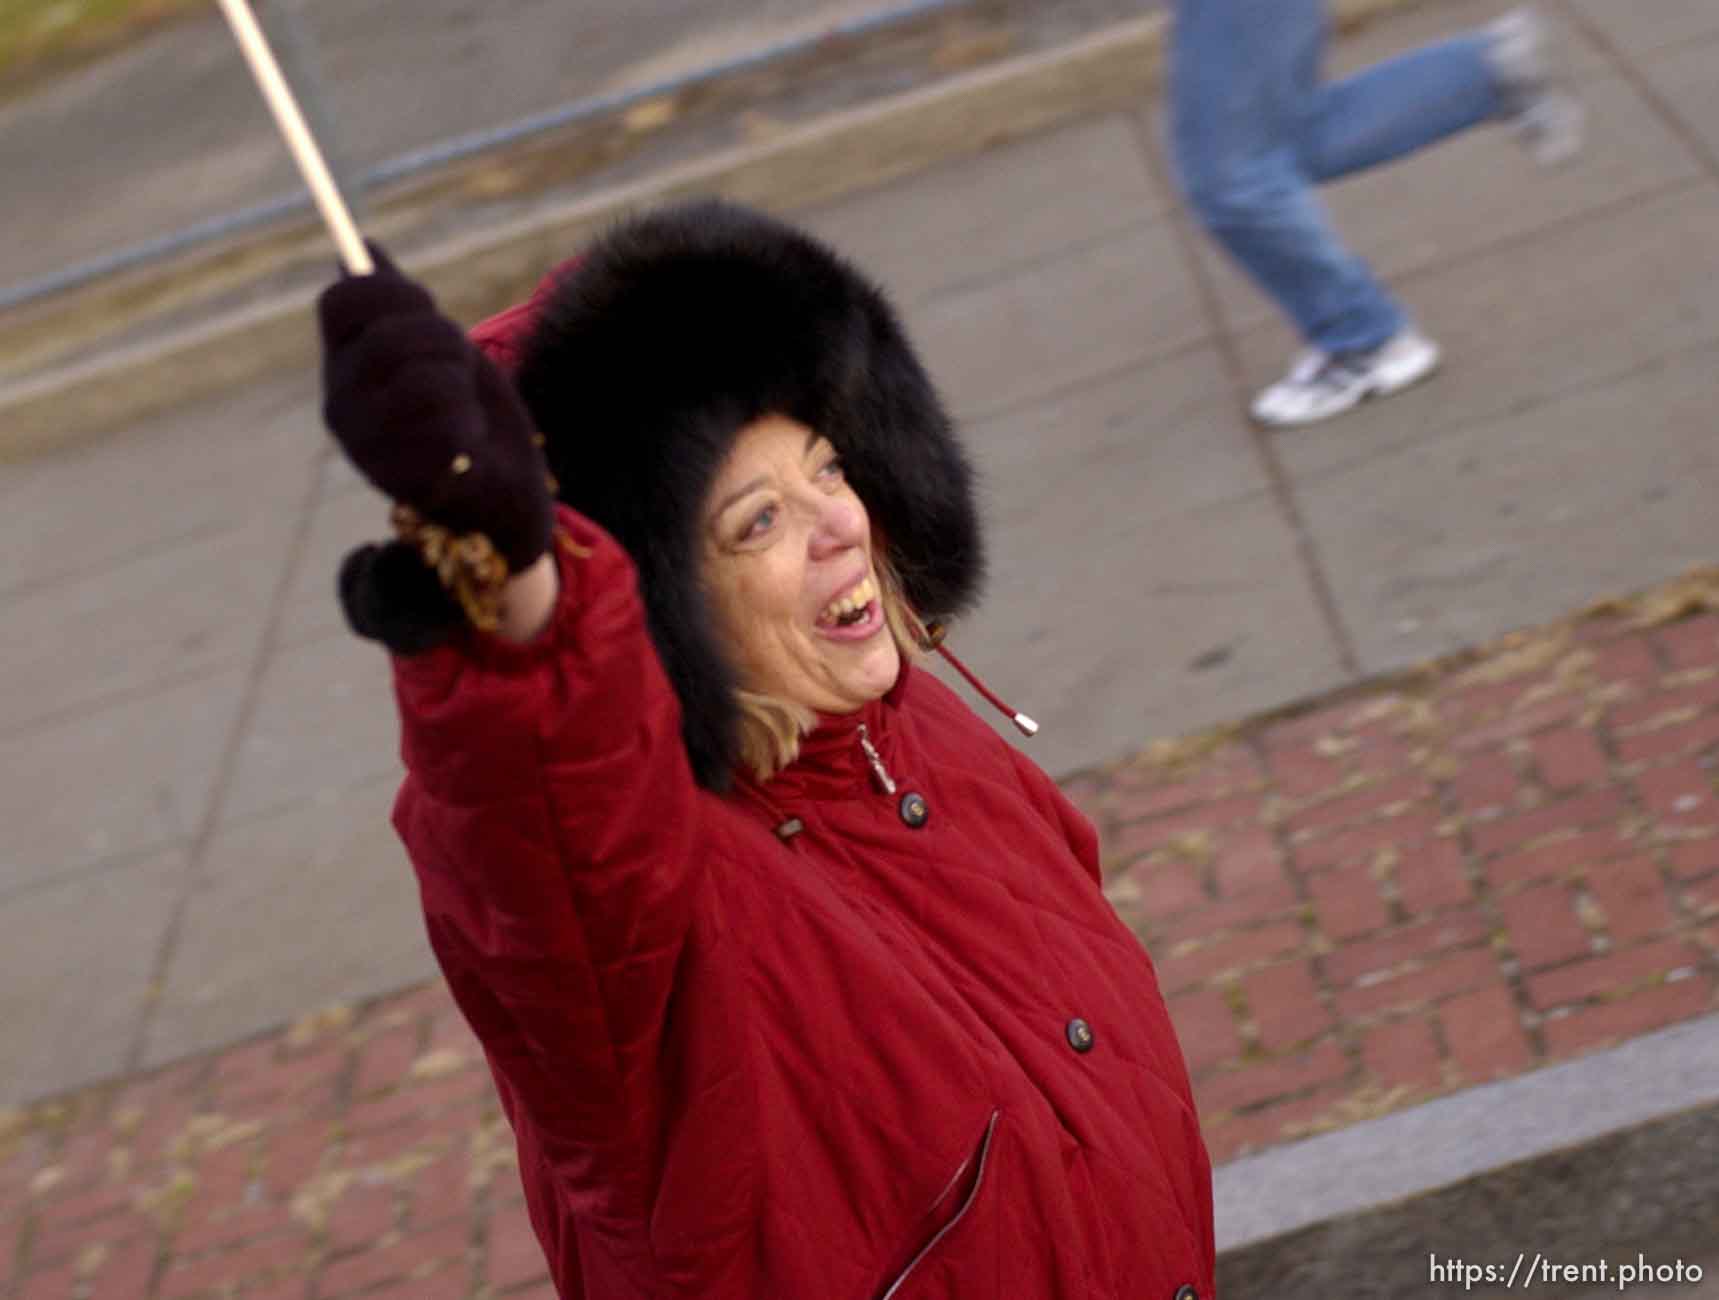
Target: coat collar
(833, 763)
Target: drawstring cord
(931, 637)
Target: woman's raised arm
(549, 807)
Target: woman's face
(787, 562)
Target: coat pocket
(963, 1191)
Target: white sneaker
(1548, 121)
(1319, 386)
(1553, 128)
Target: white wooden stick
(298, 137)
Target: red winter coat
(784, 1043)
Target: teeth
(857, 599)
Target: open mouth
(852, 608)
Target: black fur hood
(642, 360)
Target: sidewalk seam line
(1229, 354)
(142, 553)
(1631, 72)
(198, 841)
(82, 710)
(1109, 375)
(102, 866)
(1557, 225)
(1365, 457)
(1135, 225)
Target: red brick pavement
(1472, 871)
(1448, 878)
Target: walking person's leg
(1242, 76)
(1254, 128)
(1500, 72)
(1396, 108)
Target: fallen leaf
(334, 1018)
(651, 115)
(438, 1064)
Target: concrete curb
(834, 156)
(471, 277)
(1605, 1157)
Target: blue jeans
(1253, 130)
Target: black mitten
(427, 418)
(390, 595)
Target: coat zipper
(972, 1195)
(884, 780)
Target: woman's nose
(839, 523)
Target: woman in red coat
(796, 980)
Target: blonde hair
(771, 728)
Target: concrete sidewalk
(193, 839)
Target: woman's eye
(760, 523)
(832, 468)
